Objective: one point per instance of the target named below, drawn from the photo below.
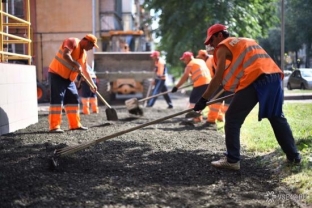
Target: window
(16, 8)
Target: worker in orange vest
(217, 110)
(69, 61)
(197, 70)
(254, 78)
(159, 80)
(88, 98)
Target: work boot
(198, 119)
(210, 126)
(83, 128)
(170, 107)
(57, 130)
(223, 163)
(294, 161)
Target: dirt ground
(161, 165)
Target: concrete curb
(298, 97)
(303, 96)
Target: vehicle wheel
(41, 93)
(302, 87)
(288, 86)
(146, 86)
(104, 90)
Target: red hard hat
(212, 30)
(186, 54)
(155, 54)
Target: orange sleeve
(69, 43)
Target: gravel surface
(161, 165)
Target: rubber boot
(85, 106)
(55, 117)
(94, 105)
(72, 113)
(213, 112)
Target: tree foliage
(297, 31)
(183, 24)
(298, 25)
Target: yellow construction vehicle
(125, 68)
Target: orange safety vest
(200, 74)
(210, 65)
(160, 69)
(61, 67)
(249, 61)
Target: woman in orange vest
(69, 61)
(254, 78)
(197, 70)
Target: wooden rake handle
(97, 93)
(162, 93)
(73, 149)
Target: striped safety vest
(61, 67)
(249, 61)
(200, 74)
(159, 65)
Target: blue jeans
(242, 103)
(86, 91)
(158, 88)
(62, 91)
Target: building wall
(57, 20)
(18, 103)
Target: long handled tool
(111, 113)
(148, 92)
(133, 103)
(194, 114)
(70, 150)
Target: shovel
(133, 104)
(111, 113)
(70, 150)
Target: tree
(298, 26)
(183, 24)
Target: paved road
(180, 100)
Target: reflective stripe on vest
(250, 61)
(200, 74)
(64, 62)
(61, 67)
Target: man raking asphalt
(73, 149)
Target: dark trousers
(62, 91)
(86, 91)
(158, 88)
(242, 103)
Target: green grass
(258, 137)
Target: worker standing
(69, 61)
(217, 110)
(200, 76)
(160, 80)
(254, 78)
(88, 98)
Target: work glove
(174, 89)
(201, 104)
